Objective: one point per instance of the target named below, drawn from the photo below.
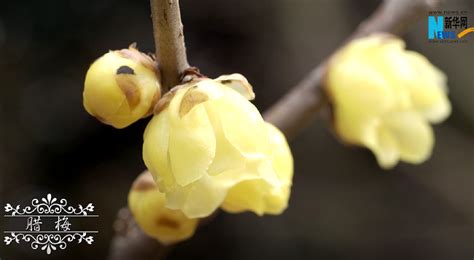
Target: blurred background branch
(292, 113)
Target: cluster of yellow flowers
(207, 146)
(384, 98)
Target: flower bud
(384, 98)
(121, 87)
(147, 205)
(209, 147)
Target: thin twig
(169, 41)
(291, 113)
(300, 106)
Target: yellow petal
(241, 122)
(227, 156)
(385, 147)
(258, 196)
(428, 89)
(176, 196)
(413, 134)
(265, 195)
(155, 150)
(238, 83)
(247, 195)
(204, 197)
(354, 126)
(192, 143)
(282, 158)
(277, 200)
(357, 84)
(250, 192)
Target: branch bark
(169, 41)
(292, 113)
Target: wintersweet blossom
(385, 97)
(208, 147)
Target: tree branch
(291, 113)
(169, 41)
(299, 107)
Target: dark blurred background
(343, 206)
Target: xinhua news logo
(448, 26)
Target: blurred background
(343, 206)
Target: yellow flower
(121, 87)
(384, 98)
(209, 147)
(147, 205)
